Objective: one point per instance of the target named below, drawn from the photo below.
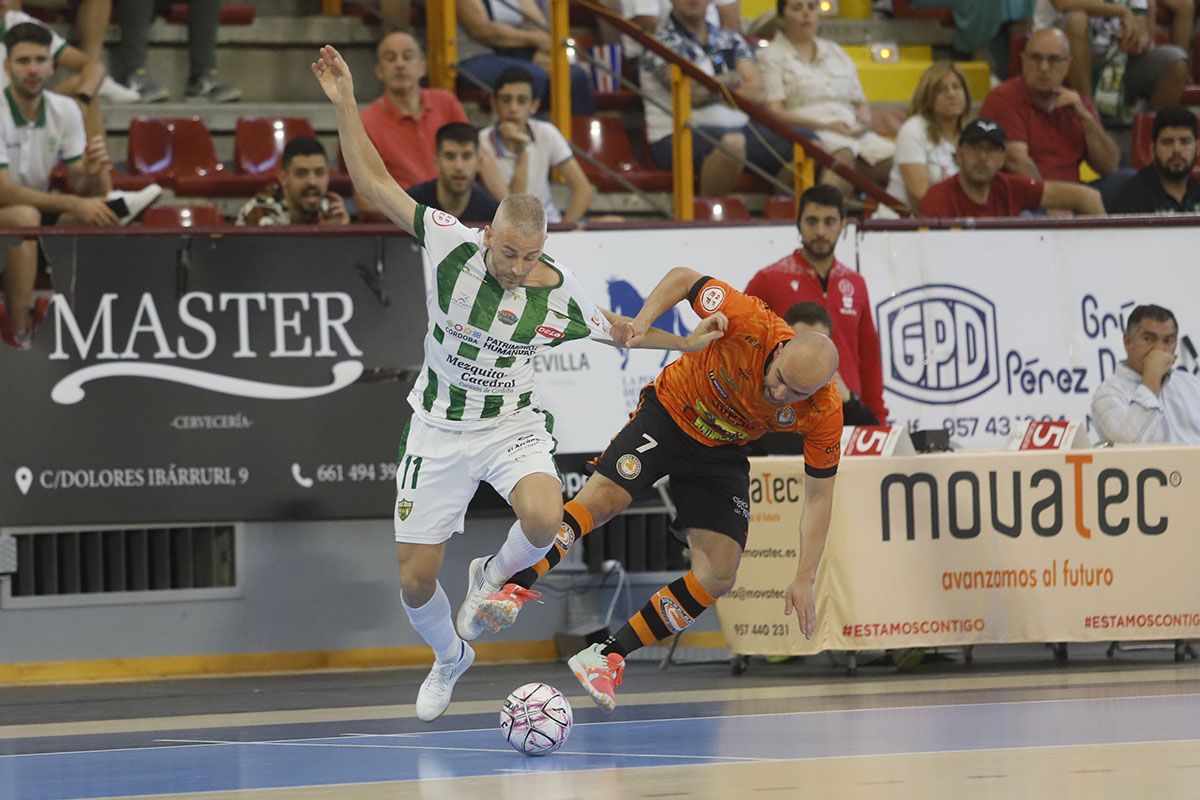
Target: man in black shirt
(1167, 185)
(455, 190)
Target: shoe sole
(461, 620)
(599, 698)
(497, 614)
(470, 661)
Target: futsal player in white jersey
(494, 301)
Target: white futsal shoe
(437, 687)
(479, 587)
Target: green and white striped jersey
(481, 338)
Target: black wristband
(84, 98)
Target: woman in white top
(813, 83)
(925, 145)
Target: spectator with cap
(301, 196)
(1166, 186)
(980, 189)
(455, 190)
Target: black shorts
(710, 486)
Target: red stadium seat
(170, 148)
(902, 9)
(182, 216)
(604, 139)
(780, 206)
(234, 14)
(258, 142)
(1016, 46)
(1142, 146)
(720, 209)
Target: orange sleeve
(823, 445)
(709, 295)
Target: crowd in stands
(1040, 142)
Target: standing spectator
(455, 190)
(726, 57)
(1114, 58)
(1166, 186)
(926, 142)
(1051, 129)
(813, 83)
(980, 189)
(494, 35)
(808, 274)
(526, 149)
(204, 85)
(42, 129)
(1146, 400)
(301, 196)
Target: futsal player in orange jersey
(693, 423)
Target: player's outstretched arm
(367, 171)
(673, 288)
(814, 528)
(710, 329)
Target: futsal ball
(535, 719)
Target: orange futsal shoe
(600, 674)
(499, 609)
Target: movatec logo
(938, 343)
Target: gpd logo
(938, 343)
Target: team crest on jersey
(712, 298)
(673, 614)
(785, 415)
(507, 317)
(443, 220)
(629, 466)
(565, 536)
(403, 509)
(548, 332)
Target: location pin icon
(24, 479)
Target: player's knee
(717, 581)
(417, 586)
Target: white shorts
(439, 470)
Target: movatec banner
(957, 548)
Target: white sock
(435, 625)
(518, 553)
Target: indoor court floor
(1014, 724)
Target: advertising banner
(982, 329)
(951, 549)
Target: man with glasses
(1052, 129)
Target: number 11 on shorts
(412, 465)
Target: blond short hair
(523, 213)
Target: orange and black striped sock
(672, 609)
(576, 524)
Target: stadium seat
(619, 99)
(1142, 146)
(182, 216)
(902, 9)
(232, 14)
(1016, 46)
(720, 209)
(604, 139)
(781, 207)
(258, 141)
(169, 148)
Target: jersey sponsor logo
(462, 301)
(785, 416)
(717, 387)
(742, 507)
(548, 332)
(460, 330)
(710, 426)
(506, 348)
(712, 298)
(673, 615)
(476, 376)
(443, 220)
(565, 536)
(403, 509)
(507, 317)
(629, 466)
(729, 378)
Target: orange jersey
(716, 395)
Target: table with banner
(966, 548)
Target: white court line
(111, 749)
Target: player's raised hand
(334, 75)
(710, 329)
(799, 596)
(628, 332)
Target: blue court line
(204, 764)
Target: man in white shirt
(526, 149)
(1147, 401)
(39, 129)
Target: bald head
(398, 41)
(521, 215)
(800, 368)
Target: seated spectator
(1182, 21)
(810, 316)
(403, 122)
(1146, 400)
(808, 274)
(813, 83)
(133, 49)
(455, 190)
(980, 189)
(977, 24)
(526, 149)
(926, 142)
(301, 196)
(649, 14)
(1166, 186)
(42, 129)
(494, 35)
(1115, 61)
(1051, 129)
(726, 57)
